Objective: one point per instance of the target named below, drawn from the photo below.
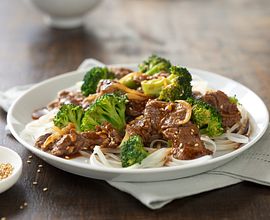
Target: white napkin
(253, 165)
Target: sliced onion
(238, 138)
(228, 146)
(234, 127)
(188, 111)
(157, 140)
(176, 162)
(209, 143)
(156, 159)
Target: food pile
(151, 117)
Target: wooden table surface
(230, 37)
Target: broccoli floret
(177, 86)
(128, 80)
(132, 151)
(180, 87)
(107, 108)
(154, 64)
(92, 78)
(69, 113)
(153, 87)
(206, 117)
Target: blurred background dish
(64, 14)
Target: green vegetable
(154, 64)
(92, 78)
(128, 80)
(69, 113)
(132, 151)
(233, 100)
(206, 117)
(180, 87)
(177, 86)
(153, 87)
(107, 108)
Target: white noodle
(176, 162)
(101, 156)
(238, 138)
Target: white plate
(9, 156)
(41, 94)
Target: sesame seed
(38, 170)
(40, 165)
(28, 161)
(30, 156)
(35, 183)
(25, 204)
(3, 218)
(196, 145)
(6, 170)
(45, 189)
(21, 207)
(192, 130)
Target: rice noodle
(176, 162)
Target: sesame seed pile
(5, 170)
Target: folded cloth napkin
(253, 165)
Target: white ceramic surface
(39, 95)
(9, 156)
(64, 13)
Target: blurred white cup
(64, 14)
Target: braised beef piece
(72, 142)
(66, 97)
(120, 72)
(135, 108)
(229, 111)
(190, 152)
(37, 113)
(42, 139)
(186, 142)
(160, 120)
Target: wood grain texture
(229, 37)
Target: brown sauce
(72, 156)
(39, 112)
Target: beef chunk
(120, 72)
(71, 142)
(66, 97)
(228, 111)
(160, 120)
(135, 108)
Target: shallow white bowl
(64, 13)
(9, 156)
(41, 94)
